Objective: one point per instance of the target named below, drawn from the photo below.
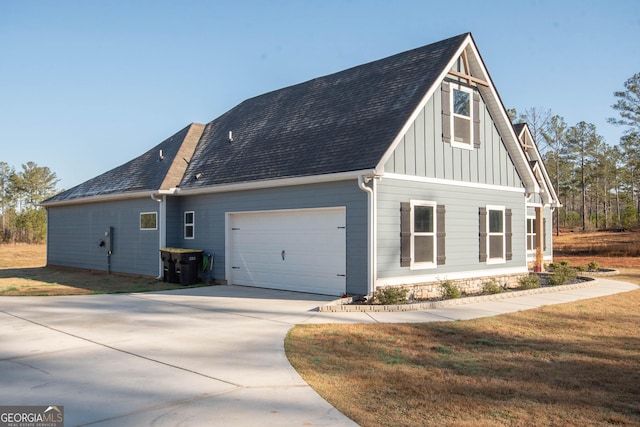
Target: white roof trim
(551, 196)
(278, 182)
(221, 188)
(439, 181)
(107, 198)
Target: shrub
(564, 263)
(562, 276)
(449, 290)
(491, 287)
(593, 266)
(391, 295)
(531, 281)
(581, 268)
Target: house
(402, 171)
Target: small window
(496, 229)
(189, 225)
(462, 116)
(423, 226)
(148, 221)
(531, 234)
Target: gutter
(271, 183)
(162, 228)
(216, 188)
(371, 232)
(108, 197)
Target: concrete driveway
(193, 357)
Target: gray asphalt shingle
(337, 123)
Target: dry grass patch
(598, 243)
(21, 255)
(23, 272)
(572, 364)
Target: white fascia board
(552, 197)
(250, 185)
(278, 182)
(108, 198)
(503, 123)
(449, 182)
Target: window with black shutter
(422, 234)
(460, 115)
(495, 234)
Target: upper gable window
(460, 116)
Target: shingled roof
(162, 167)
(337, 123)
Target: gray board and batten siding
(423, 167)
(210, 211)
(76, 231)
(422, 152)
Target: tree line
(21, 217)
(598, 184)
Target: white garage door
(301, 250)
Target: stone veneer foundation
(419, 291)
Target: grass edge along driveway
(568, 364)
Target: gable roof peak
(336, 123)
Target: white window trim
(454, 143)
(503, 259)
(192, 225)
(530, 235)
(155, 214)
(424, 265)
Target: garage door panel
(314, 245)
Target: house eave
(277, 182)
(107, 198)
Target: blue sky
(88, 85)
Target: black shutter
(483, 234)
(476, 120)
(405, 234)
(446, 112)
(440, 235)
(508, 234)
(544, 233)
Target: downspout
(371, 233)
(162, 230)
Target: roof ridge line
(183, 157)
